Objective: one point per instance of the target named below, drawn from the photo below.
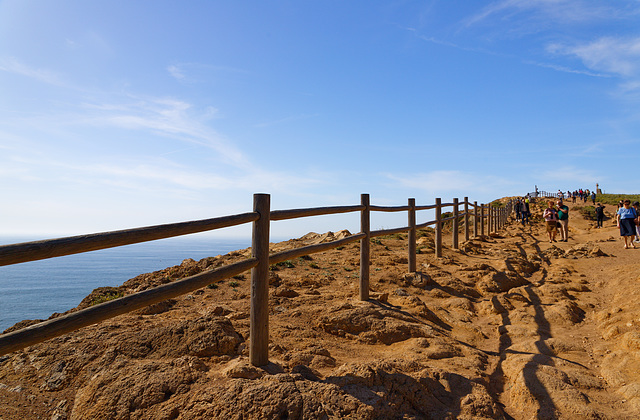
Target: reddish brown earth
(508, 326)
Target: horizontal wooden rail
(40, 250)
(58, 326)
(312, 249)
(425, 224)
(389, 208)
(316, 211)
(429, 207)
(383, 232)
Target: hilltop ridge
(507, 326)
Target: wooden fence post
(438, 239)
(475, 219)
(482, 219)
(466, 219)
(456, 224)
(259, 312)
(365, 247)
(412, 235)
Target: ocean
(37, 289)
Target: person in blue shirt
(625, 219)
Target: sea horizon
(38, 289)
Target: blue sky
(118, 114)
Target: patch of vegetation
(614, 199)
(340, 248)
(588, 212)
(314, 265)
(234, 284)
(376, 241)
(105, 296)
(399, 236)
(306, 258)
(424, 232)
(212, 286)
(286, 264)
(348, 269)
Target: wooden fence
(484, 216)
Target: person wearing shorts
(625, 218)
(550, 216)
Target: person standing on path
(625, 218)
(636, 207)
(551, 218)
(525, 211)
(563, 218)
(599, 215)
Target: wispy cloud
(15, 66)
(167, 117)
(548, 12)
(176, 72)
(192, 72)
(610, 54)
(567, 69)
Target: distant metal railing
(258, 263)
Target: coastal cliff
(507, 326)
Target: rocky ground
(509, 326)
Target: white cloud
(168, 117)
(15, 66)
(176, 72)
(198, 72)
(548, 11)
(567, 69)
(608, 54)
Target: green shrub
(287, 264)
(106, 296)
(588, 212)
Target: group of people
(628, 222)
(522, 210)
(580, 194)
(556, 217)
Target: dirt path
(572, 334)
